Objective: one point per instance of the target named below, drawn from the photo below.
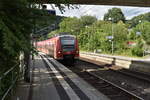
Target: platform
(134, 64)
(55, 83)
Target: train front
(69, 47)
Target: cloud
(100, 10)
(134, 11)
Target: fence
(9, 79)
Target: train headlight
(77, 51)
(59, 52)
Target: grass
(125, 54)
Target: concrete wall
(124, 62)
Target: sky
(99, 10)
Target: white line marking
(91, 92)
(66, 86)
(18, 98)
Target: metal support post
(12, 81)
(112, 47)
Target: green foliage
(115, 15)
(145, 31)
(120, 36)
(15, 31)
(136, 20)
(17, 19)
(93, 36)
(138, 50)
(74, 25)
(41, 19)
(15, 35)
(53, 33)
(70, 25)
(87, 20)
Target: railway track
(121, 93)
(108, 88)
(113, 91)
(133, 88)
(135, 74)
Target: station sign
(51, 12)
(138, 33)
(109, 37)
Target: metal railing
(9, 79)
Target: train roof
(63, 34)
(58, 36)
(66, 36)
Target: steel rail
(128, 73)
(134, 74)
(130, 93)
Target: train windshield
(68, 43)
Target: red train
(60, 47)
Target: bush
(137, 51)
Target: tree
(135, 20)
(70, 25)
(120, 32)
(115, 15)
(87, 20)
(143, 27)
(74, 25)
(52, 34)
(16, 24)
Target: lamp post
(88, 36)
(140, 21)
(112, 37)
